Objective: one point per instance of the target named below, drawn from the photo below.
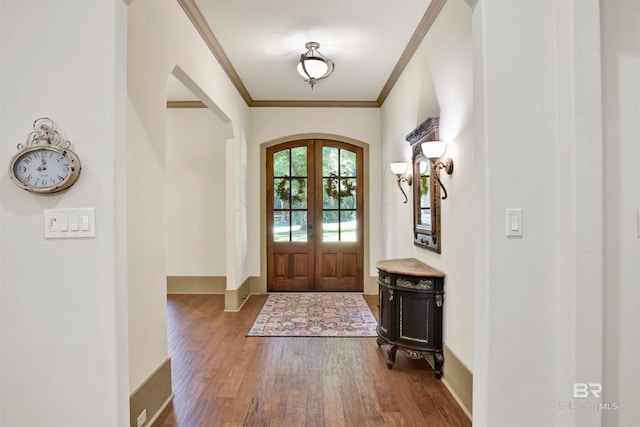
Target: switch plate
(69, 223)
(514, 222)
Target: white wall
(63, 319)
(162, 38)
(438, 82)
(196, 193)
(538, 309)
(621, 68)
(361, 124)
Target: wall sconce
(434, 151)
(400, 169)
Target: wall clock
(45, 163)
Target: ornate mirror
(426, 191)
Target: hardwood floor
(222, 378)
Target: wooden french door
(315, 216)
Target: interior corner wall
(196, 192)
(63, 319)
(239, 238)
(160, 37)
(621, 68)
(438, 82)
(269, 124)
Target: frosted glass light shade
(434, 149)
(316, 68)
(399, 168)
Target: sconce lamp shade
(434, 149)
(399, 168)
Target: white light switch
(84, 223)
(514, 222)
(74, 223)
(69, 223)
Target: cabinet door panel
(385, 300)
(415, 319)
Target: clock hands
(44, 165)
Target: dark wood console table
(410, 299)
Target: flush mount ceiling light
(313, 65)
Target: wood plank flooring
(223, 378)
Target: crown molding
(284, 104)
(185, 104)
(200, 23)
(418, 35)
(312, 104)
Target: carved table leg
(439, 360)
(380, 341)
(392, 355)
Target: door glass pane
(339, 195)
(348, 226)
(299, 193)
(281, 193)
(299, 226)
(330, 193)
(299, 161)
(347, 193)
(347, 163)
(330, 156)
(290, 195)
(330, 226)
(281, 227)
(281, 163)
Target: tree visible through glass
(290, 195)
(339, 182)
(290, 204)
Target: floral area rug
(315, 315)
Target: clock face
(45, 169)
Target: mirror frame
(422, 236)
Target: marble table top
(408, 267)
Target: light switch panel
(514, 222)
(69, 223)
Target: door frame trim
(261, 285)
